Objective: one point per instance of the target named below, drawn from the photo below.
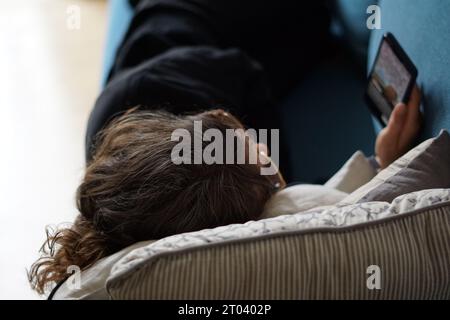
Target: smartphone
(391, 79)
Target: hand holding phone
(401, 132)
(391, 80)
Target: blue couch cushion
(119, 17)
(352, 18)
(325, 120)
(423, 29)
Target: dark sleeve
(183, 80)
(177, 52)
(286, 36)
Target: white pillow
(356, 172)
(300, 198)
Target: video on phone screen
(389, 81)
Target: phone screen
(389, 81)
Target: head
(133, 191)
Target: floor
(49, 78)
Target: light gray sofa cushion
(304, 256)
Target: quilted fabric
(325, 217)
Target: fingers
(397, 137)
(416, 96)
(397, 121)
(413, 119)
(414, 106)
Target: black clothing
(192, 55)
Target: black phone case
(407, 62)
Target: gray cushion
(323, 253)
(329, 263)
(425, 167)
(319, 254)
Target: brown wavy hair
(132, 191)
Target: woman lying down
(134, 189)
